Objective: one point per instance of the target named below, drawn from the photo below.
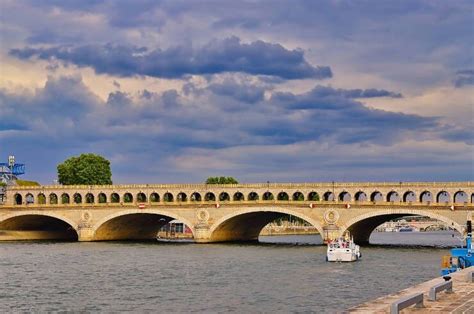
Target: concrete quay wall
(460, 301)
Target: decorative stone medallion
(331, 216)
(202, 215)
(86, 216)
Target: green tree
(221, 180)
(86, 169)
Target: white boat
(343, 250)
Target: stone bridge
(217, 213)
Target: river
(184, 277)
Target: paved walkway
(460, 301)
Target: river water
(184, 277)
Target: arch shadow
(32, 225)
(246, 224)
(134, 224)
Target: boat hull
(344, 255)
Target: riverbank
(460, 301)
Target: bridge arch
(65, 199)
(39, 225)
(246, 224)
(90, 198)
(53, 199)
(426, 197)
(409, 196)
(345, 196)
(313, 196)
(376, 196)
(460, 197)
(41, 198)
(362, 226)
(267, 196)
(102, 198)
(141, 197)
(329, 196)
(134, 224)
(154, 197)
(209, 197)
(18, 199)
(239, 196)
(298, 196)
(393, 196)
(443, 197)
(253, 196)
(360, 196)
(182, 197)
(283, 196)
(114, 198)
(196, 197)
(224, 197)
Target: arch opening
(393, 197)
(41, 199)
(36, 227)
(154, 197)
(361, 197)
(426, 197)
(249, 225)
(224, 197)
(77, 198)
(253, 196)
(403, 228)
(53, 199)
(168, 197)
(141, 197)
(65, 199)
(196, 197)
(29, 199)
(443, 197)
(90, 198)
(376, 197)
(298, 196)
(267, 196)
(128, 198)
(18, 199)
(132, 227)
(102, 198)
(409, 196)
(238, 197)
(345, 197)
(182, 197)
(283, 196)
(313, 196)
(209, 197)
(460, 197)
(114, 198)
(329, 196)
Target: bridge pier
(85, 234)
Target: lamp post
(11, 163)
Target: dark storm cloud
(67, 116)
(218, 56)
(245, 93)
(463, 78)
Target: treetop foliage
(221, 180)
(88, 169)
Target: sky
(280, 91)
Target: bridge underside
(245, 227)
(36, 227)
(361, 230)
(131, 227)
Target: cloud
(218, 56)
(463, 78)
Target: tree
(86, 169)
(221, 180)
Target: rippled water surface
(146, 277)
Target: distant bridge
(217, 213)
